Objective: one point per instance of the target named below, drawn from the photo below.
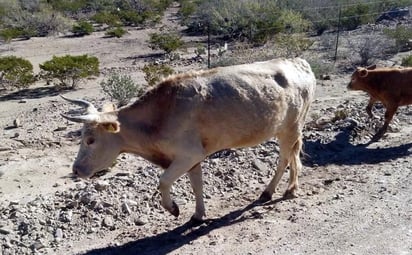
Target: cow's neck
(138, 133)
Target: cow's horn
(89, 118)
(83, 103)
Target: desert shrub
(7, 34)
(32, 18)
(401, 35)
(154, 73)
(121, 88)
(187, 8)
(15, 72)
(407, 61)
(167, 42)
(355, 15)
(82, 28)
(253, 20)
(320, 68)
(69, 70)
(105, 17)
(366, 51)
(293, 22)
(69, 7)
(131, 17)
(199, 51)
(116, 32)
(293, 45)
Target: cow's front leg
(195, 176)
(390, 112)
(170, 175)
(370, 106)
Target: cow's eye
(89, 140)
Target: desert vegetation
(287, 28)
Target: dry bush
(367, 50)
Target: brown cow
(391, 86)
(187, 117)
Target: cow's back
(246, 104)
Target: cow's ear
(371, 67)
(111, 127)
(363, 72)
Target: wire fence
(334, 43)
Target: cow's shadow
(169, 241)
(340, 151)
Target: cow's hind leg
(289, 146)
(295, 167)
(195, 176)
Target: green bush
(9, 34)
(82, 28)
(115, 32)
(401, 35)
(167, 42)
(32, 18)
(15, 72)
(293, 44)
(69, 70)
(154, 73)
(131, 17)
(71, 7)
(407, 61)
(256, 21)
(354, 16)
(121, 88)
(106, 17)
(187, 9)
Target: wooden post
(337, 35)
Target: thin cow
(390, 85)
(187, 117)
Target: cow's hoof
(265, 197)
(289, 194)
(175, 210)
(196, 221)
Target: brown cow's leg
(370, 106)
(195, 176)
(390, 112)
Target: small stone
(5, 231)
(58, 234)
(37, 245)
(126, 208)
(132, 202)
(259, 165)
(108, 222)
(101, 185)
(16, 123)
(62, 128)
(140, 222)
(72, 204)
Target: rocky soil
(353, 198)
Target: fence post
(337, 35)
(208, 44)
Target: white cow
(187, 117)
